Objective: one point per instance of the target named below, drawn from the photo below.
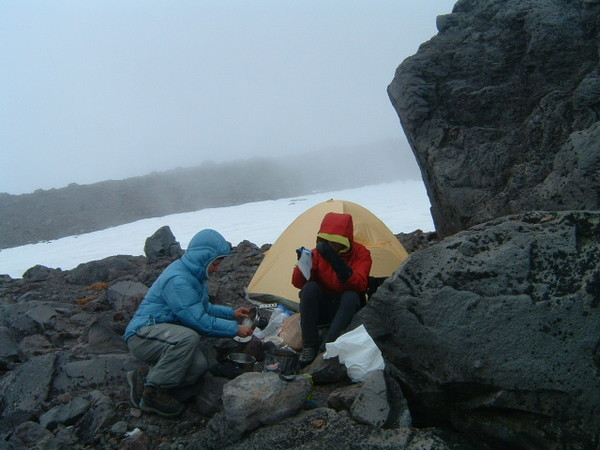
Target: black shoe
(136, 381)
(307, 355)
(157, 401)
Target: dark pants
(319, 308)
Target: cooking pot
(242, 360)
(283, 360)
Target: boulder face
(496, 331)
(502, 109)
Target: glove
(299, 253)
(341, 269)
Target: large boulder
(502, 110)
(496, 331)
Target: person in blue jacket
(167, 328)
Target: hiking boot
(307, 355)
(156, 400)
(136, 380)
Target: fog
(109, 89)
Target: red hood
(340, 224)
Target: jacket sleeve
(360, 263)
(298, 279)
(193, 309)
(361, 267)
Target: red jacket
(358, 258)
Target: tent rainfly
(272, 280)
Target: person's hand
(299, 253)
(241, 313)
(244, 331)
(341, 269)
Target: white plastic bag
(357, 351)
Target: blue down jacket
(180, 294)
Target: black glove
(299, 253)
(341, 269)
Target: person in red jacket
(339, 276)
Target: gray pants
(177, 355)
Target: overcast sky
(107, 89)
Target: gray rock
(66, 414)
(42, 315)
(102, 370)
(105, 270)
(209, 400)
(24, 390)
(342, 398)
(254, 399)
(39, 273)
(501, 109)
(371, 404)
(35, 345)
(502, 319)
(32, 435)
(101, 415)
(162, 244)
(126, 295)
(323, 428)
(9, 351)
(102, 339)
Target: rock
(9, 351)
(102, 339)
(42, 315)
(325, 428)
(371, 405)
(497, 329)
(101, 370)
(502, 110)
(101, 415)
(209, 400)
(342, 398)
(254, 399)
(66, 414)
(126, 295)
(24, 389)
(32, 435)
(35, 345)
(162, 244)
(39, 273)
(105, 270)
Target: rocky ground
(63, 363)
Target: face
(334, 245)
(212, 268)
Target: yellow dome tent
(272, 280)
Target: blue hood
(204, 248)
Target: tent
(272, 280)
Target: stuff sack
(290, 333)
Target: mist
(106, 90)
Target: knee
(190, 340)
(310, 291)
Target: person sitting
(338, 277)
(168, 327)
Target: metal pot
(242, 360)
(285, 359)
